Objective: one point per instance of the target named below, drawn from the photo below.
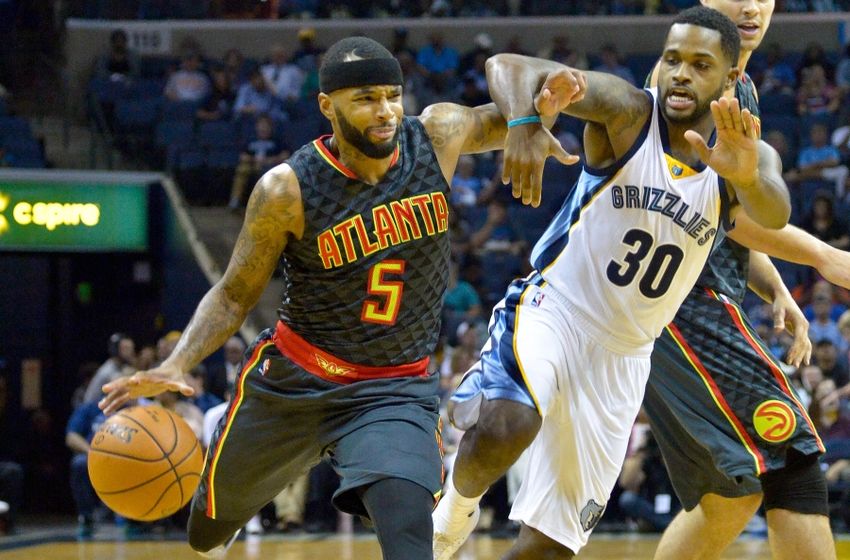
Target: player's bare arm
(273, 213)
(794, 245)
(456, 129)
(766, 282)
(525, 86)
(750, 167)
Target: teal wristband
(524, 120)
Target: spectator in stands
(461, 303)
(219, 105)
(183, 408)
(11, 471)
(259, 155)
(165, 345)
(822, 327)
(822, 160)
(611, 63)
(482, 47)
(85, 374)
(842, 72)
(814, 55)
(146, 357)
(188, 83)
(823, 223)
(255, 98)
(283, 78)
(777, 76)
(307, 55)
(805, 381)
(825, 356)
(816, 97)
(415, 94)
(6, 159)
(828, 412)
(779, 142)
(560, 50)
(498, 234)
(121, 361)
(466, 185)
(400, 45)
(120, 63)
(223, 376)
(197, 380)
(438, 62)
(82, 426)
(648, 497)
(238, 70)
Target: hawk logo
(774, 421)
(590, 515)
(4, 203)
(331, 368)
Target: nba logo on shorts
(264, 369)
(537, 299)
(591, 514)
(676, 170)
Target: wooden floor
(602, 547)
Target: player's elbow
(775, 217)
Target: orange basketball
(145, 463)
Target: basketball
(145, 463)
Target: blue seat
(23, 147)
(105, 90)
(174, 133)
(190, 157)
(179, 110)
(218, 133)
(136, 115)
(778, 104)
(14, 127)
(222, 158)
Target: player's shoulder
(279, 185)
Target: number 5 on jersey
(384, 311)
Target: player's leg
(577, 456)
(704, 532)
(531, 544)
(500, 404)
(255, 452)
(795, 498)
(400, 511)
(388, 456)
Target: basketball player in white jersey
(564, 370)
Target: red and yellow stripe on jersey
(215, 452)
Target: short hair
(730, 41)
(361, 47)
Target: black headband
(364, 72)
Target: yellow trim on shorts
(516, 354)
(220, 444)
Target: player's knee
(726, 510)
(799, 487)
(508, 423)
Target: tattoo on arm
(475, 130)
(274, 211)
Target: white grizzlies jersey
(631, 240)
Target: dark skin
(693, 76)
(275, 213)
(616, 112)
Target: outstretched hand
(526, 149)
(528, 146)
(788, 316)
(143, 384)
(735, 153)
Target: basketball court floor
(337, 547)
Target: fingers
(698, 142)
(779, 319)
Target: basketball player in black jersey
(359, 221)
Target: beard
(701, 108)
(361, 143)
